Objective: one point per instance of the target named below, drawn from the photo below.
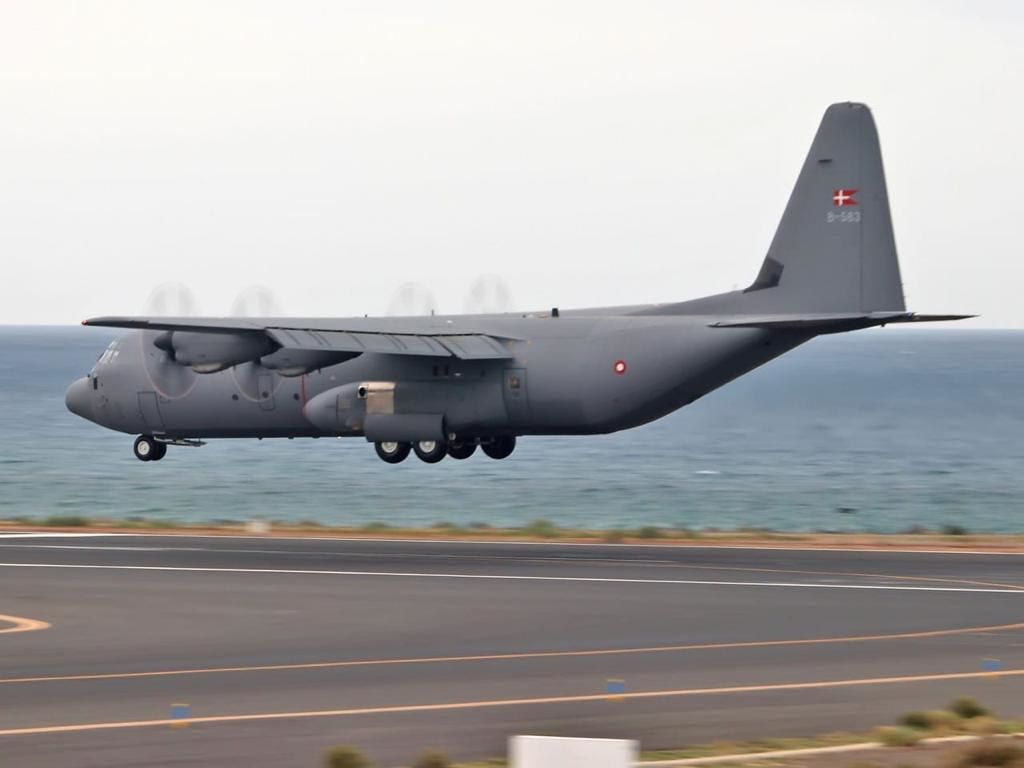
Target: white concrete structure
(556, 752)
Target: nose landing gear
(148, 448)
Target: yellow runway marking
(405, 708)
(20, 624)
(526, 655)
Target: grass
(432, 759)
(717, 748)
(64, 521)
(914, 728)
(898, 735)
(542, 529)
(988, 753)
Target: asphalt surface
(780, 638)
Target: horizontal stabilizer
(830, 323)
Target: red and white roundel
(620, 367)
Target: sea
(883, 430)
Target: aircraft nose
(78, 398)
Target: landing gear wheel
(148, 449)
(430, 451)
(392, 452)
(500, 447)
(462, 450)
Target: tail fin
(834, 249)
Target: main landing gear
(148, 448)
(432, 451)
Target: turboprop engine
(212, 352)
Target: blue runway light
(180, 712)
(616, 687)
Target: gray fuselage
(573, 374)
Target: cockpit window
(109, 355)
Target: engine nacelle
(212, 352)
(296, 362)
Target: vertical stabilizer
(834, 249)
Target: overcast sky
(588, 153)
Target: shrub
(933, 719)
(376, 526)
(432, 760)
(951, 529)
(649, 532)
(614, 536)
(941, 719)
(986, 725)
(897, 736)
(966, 707)
(544, 529)
(65, 521)
(917, 720)
(345, 757)
(988, 753)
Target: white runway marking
(508, 577)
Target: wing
(295, 346)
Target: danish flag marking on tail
(841, 197)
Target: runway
(283, 647)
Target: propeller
(256, 301)
(171, 300)
(412, 299)
(168, 378)
(489, 294)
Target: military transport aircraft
(443, 385)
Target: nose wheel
(147, 448)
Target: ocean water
(878, 430)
